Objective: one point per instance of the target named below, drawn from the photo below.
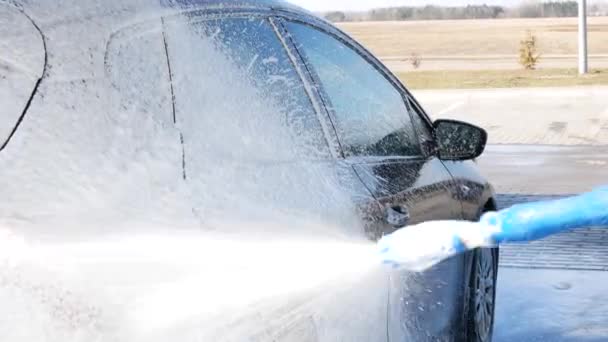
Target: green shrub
(528, 55)
(415, 60)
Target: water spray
(419, 247)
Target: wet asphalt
(553, 290)
(545, 170)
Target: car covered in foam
(245, 120)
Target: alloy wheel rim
(484, 293)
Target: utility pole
(583, 65)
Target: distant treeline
(432, 12)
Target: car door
(378, 137)
(256, 156)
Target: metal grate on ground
(585, 249)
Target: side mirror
(458, 140)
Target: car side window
(420, 124)
(423, 129)
(236, 88)
(370, 114)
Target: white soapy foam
(424, 245)
(102, 238)
(144, 288)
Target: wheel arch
(490, 205)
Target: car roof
(73, 30)
(274, 4)
(92, 7)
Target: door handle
(397, 216)
(465, 190)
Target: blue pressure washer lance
(421, 246)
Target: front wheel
(482, 295)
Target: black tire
(482, 295)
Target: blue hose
(421, 246)
(534, 221)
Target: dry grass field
(471, 38)
(446, 48)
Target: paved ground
(578, 250)
(532, 173)
(553, 116)
(552, 290)
(551, 306)
(526, 170)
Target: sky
(357, 5)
